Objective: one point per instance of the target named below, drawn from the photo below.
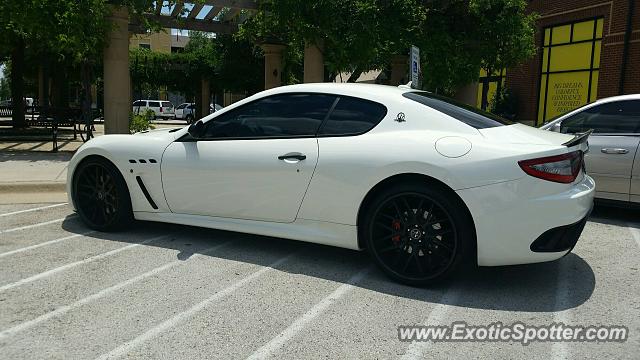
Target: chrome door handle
(292, 156)
(614, 151)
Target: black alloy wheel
(417, 235)
(100, 195)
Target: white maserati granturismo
(423, 183)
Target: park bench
(55, 119)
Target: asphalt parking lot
(165, 291)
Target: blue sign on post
(415, 67)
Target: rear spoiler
(578, 139)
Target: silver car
(613, 146)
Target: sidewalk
(28, 177)
(31, 173)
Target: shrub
(141, 122)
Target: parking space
(168, 291)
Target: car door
(254, 162)
(612, 146)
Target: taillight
(160, 109)
(559, 168)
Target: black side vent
(132, 161)
(142, 161)
(146, 193)
(153, 161)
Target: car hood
(524, 134)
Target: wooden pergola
(216, 16)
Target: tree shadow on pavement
(527, 288)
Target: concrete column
(313, 63)
(206, 95)
(272, 65)
(117, 83)
(399, 70)
(468, 94)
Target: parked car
(424, 183)
(187, 111)
(613, 160)
(162, 109)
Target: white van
(162, 109)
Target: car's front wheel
(417, 234)
(101, 196)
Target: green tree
(456, 37)
(72, 32)
(507, 35)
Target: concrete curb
(33, 187)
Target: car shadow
(608, 214)
(522, 288)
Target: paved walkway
(30, 172)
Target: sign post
(415, 67)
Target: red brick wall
(524, 80)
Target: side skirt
(319, 232)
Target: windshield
(469, 115)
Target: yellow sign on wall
(570, 67)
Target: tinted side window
(353, 116)
(181, 106)
(613, 118)
(139, 103)
(154, 104)
(288, 115)
(467, 114)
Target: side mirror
(557, 126)
(196, 129)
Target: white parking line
(185, 315)
(437, 315)
(635, 232)
(34, 209)
(48, 273)
(274, 344)
(36, 225)
(102, 293)
(559, 349)
(44, 244)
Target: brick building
(587, 50)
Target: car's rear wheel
(101, 196)
(417, 234)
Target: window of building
(492, 84)
(570, 67)
(145, 46)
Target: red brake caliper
(396, 225)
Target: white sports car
(421, 182)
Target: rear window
(167, 104)
(469, 115)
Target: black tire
(418, 234)
(101, 196)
